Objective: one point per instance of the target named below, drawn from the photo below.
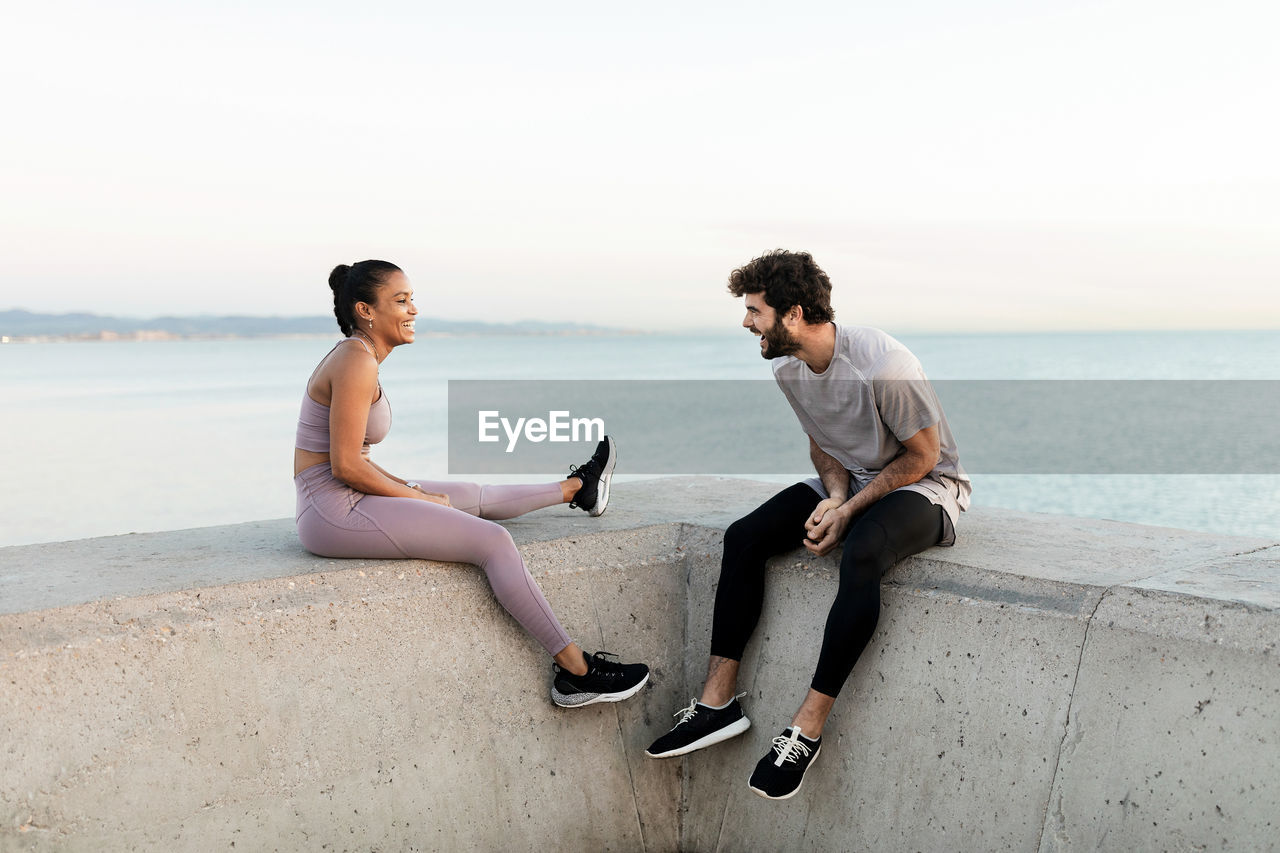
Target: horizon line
(678, 330)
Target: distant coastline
(18, 326)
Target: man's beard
(778, 342)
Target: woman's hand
(431, 497)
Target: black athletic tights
(898, 525)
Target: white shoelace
(788, 747)
(687, 714)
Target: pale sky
(989, 165)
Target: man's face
(776, 339)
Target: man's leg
(900, 524)
(773, 528)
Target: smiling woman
(350, 507)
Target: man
(889, 484)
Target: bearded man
(889, 485)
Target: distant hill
(18, 324)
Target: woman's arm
(443, 499)
(353, 383)
(385, 472)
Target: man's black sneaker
(700, 725)
(780, 772)
(595, 476)
(605, 681)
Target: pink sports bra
(313, 423)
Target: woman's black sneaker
(595, 476)
(700, 725)
(605, 681)
(779, 774)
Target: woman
(349, 507)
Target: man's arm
(827, 526)
(835, 479)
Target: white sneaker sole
(812, 762)
(602, 487)
(582, 700)
(734, 729)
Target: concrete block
(961, 695)
(1048, 683)
(1251, 578)
(397, 707)
(1174, 736)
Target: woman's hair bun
(338, 277)
(358, 283)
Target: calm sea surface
(109, 438)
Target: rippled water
(106, 438)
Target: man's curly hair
(787, 279)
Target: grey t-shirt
(872, 396)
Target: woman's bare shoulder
(352, 366)
(348, 364)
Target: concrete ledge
(1049, 683)
(394, 707)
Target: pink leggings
(335, 520)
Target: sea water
(102, 438)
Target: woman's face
(394, 312)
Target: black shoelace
(603, 666)
(591, 468)
(586, 473)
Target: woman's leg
(333, 523)
(428, 531)
(496, 502)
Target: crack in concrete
(617, 720)
(724, 816)
(631, 777)
(1066, 727)
(693, 529)
(1257, 550)
(683, 535)
(1203, 561)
